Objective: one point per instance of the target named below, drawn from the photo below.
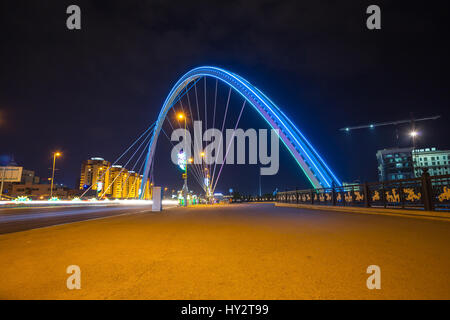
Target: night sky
(91, 92)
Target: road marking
(92, 219)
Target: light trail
(93, 201)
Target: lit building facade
(395, 164)
(94, 174)
(407, 163)
(114, 182)
(437, 161)
(134, 181)
(118, 188)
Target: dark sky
(91, 92)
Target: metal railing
(425, 193)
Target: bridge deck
(236, 251)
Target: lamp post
(206, 178)
(181, 116)
(55, 154)
(413, 135)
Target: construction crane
(412, 121)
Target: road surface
(25, 218)
(248, 251)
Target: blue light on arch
(309, 160)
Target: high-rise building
(406, 163)
(118, 188)
(94, 174)
(437, 161)
(133, 184)
(395, 164)
(114, 182)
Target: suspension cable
(221, 137)
(123, 168)
(214, 125)
(192, 118)
(135, 164)
(230, 142)
(120, 157)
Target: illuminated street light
(55, 154)
(202, 154)
(413, 135)
(181, 116)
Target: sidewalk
(411, 213)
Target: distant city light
(413, 133)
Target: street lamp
(55, 154)
(206, 180)
(181, 116)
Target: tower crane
(412, 121)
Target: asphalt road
(20, 219)
(245, 251)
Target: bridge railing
(425, 193)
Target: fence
(425, 192)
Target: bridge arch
(312, 164)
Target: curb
(432, 215)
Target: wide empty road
(25, 218)
(230, 252)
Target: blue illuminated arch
(314, 167)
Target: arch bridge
(309, 160)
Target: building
(395, 164)
(437, 161)
(134, 182)
(13, 175)
(38, 191)
(406, 163)
(94, 174)
(114, 182)
(125, 184)
(118, 188)
(28, 176)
